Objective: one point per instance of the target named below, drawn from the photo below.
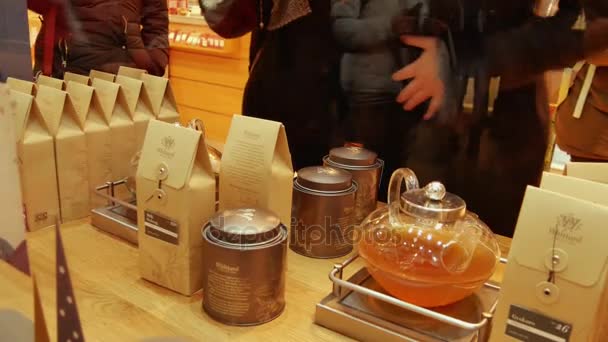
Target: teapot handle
(197, 124)
(394, 191)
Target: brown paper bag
(97, 134)
(71, 77)
(597, 172)
(256, 167)
(140, 105)
(21, 85)
(12, 229)
(175, 198)
(70, 151)
(106, 76)
(98, 139)
(131, 72)
(37, 163)
(161, 95)
(122, 128)
(557, 290)
(50, 82)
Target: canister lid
(245, 226)
(324, 178)
(353, 156)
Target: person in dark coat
(104, 35)
(489, 157)
(363, 32)
(293, 75)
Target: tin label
(526, 325)
(161, 228)
(229, 293)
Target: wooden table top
(115, 304)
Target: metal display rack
(359, 308)
(119, 217)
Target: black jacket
(105, 34)
(490, 160)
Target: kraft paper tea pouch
(122, 128)
(256, 167)
(12, 229)
(37, 167)
(139, 103)
(50, 82)
(70, 150)
(162, 99)
(556, 291)
(48, 103)
(175, 198)
(71, 77)
(21, 85)
(106, 76)
(131, 72)
(97, 135)
(577, 187)
(597, 172)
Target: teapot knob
(435, 191)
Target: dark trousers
(576, 159)
(379, 123)
(492, 169)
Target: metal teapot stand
(359, 308)
(119, 217)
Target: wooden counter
(116, 305)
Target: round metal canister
(366, 168)
(323, 210)
(244, 263)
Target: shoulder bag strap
(50, 20)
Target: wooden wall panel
(216, 124)
(208, 97)
(209, 69)
(208, 84)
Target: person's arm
(354, 34)
(231, 18)
(539, 45)
(149, 46)
(599, 59)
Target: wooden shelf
(187, 20)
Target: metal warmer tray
(119, 218)
(361, 309)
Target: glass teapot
(424, 247)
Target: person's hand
(425, 76)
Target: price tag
(526, 325)
(162, 228)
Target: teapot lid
(434, 202)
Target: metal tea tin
(366, 168)
(323, 212)
(244, 261)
